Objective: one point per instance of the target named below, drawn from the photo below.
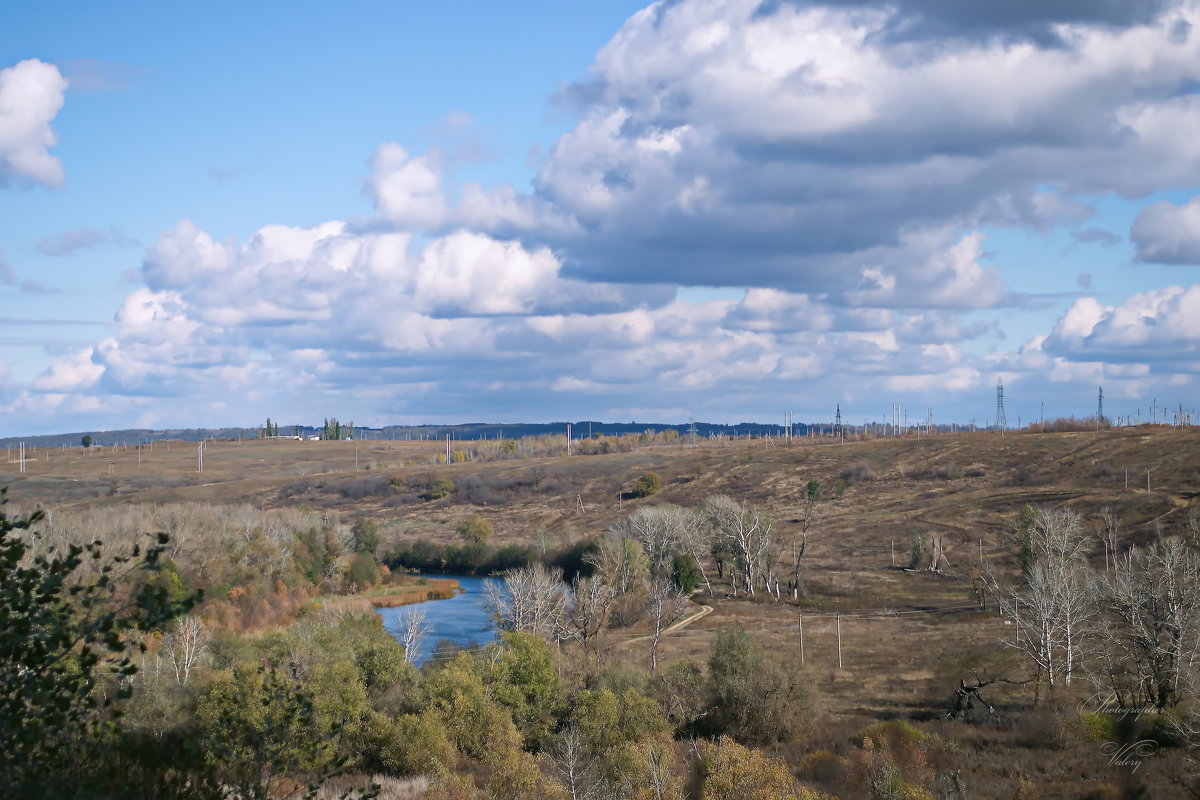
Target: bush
(475, 529)
(363, 570)
(647, 485)
(858, 473)
(754, 698)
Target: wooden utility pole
(839, 635)
(800, 621)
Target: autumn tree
(475, 530)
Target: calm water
(463, 619)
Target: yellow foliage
(734, 772)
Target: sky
(401, 213)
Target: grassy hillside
(907, 636)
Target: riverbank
(408, 591)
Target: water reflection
(463, 619)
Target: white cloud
(1168, 234)
(31, 94)
(767, 145)
(408, 189)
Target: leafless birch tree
(412, 633)
(665, 603)
(186, 645)
(747, 534)
(1053, 611)
(1151, 640)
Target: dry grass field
(907, 636)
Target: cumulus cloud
(299, 312)
(31, 94)
(407, 189)
(1168, 234)
(749, 143)
(1160, 327)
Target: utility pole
(839, 635)
(800, 621)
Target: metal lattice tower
(1100, 406)
(692, 431)
(1001, 420)
(837, 422)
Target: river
(463, 619)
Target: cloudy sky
(535, 211)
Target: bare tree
(412, 634)
(1111, 522)
(810, 520)
(697, 542)
(533, 600)
(660, 530)
(745, 532)
(1151, 638)
(587, 609)
(186, 645)
(1052, 612)
(621, 562)
(574, 765)
(665, 603)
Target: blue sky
(404, 213)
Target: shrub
(647, 485)
(475, 529)
(363, 570)
(814, 490)
(858, 473)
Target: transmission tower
(1100, 406)
(837, 422)
(692, 431)
(1001, 420)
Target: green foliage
(918, 550)
(685, 572)
(1023, 527)
(756, 699)
(813, 490)
(63, 630)
(1098, 727)
(475, 723)
(475, 530)
(437, 488)
(258, 729)
(86, 441)
(524, 679)
(648, 484)
(365, 536)
(363, 570)
(320, 551)
(411, 744)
